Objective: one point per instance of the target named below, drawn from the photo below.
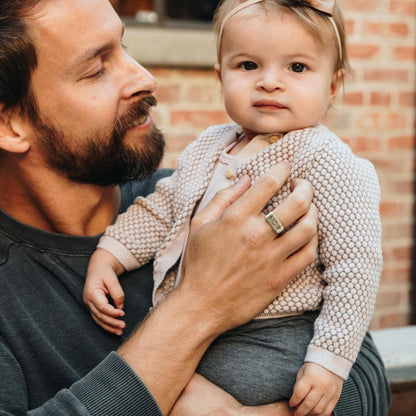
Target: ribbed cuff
(338, 365)
(120, 252)
(113, 389)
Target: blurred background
(375, 115)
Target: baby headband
(325, 6)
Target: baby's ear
(337, 82)
(217, 68)
(12, 131)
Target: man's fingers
(256, 198)
(296, 204)
(302, 237)
(221, 201)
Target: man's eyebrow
(92, 53)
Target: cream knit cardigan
(344, 278)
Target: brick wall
(375, 116)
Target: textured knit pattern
(344, 278)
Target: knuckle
(253, 239)
(270, 181)
(198, 221)
(300, 201)
(232, 216)
(309, 229)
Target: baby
(281, 64)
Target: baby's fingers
(107, 317)
(114, 326)
(98, 304)
(308, 404)
(300, 390)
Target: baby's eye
(298, 67)
(248, 65)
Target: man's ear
(217, 68)
(337, 82)
(12, 131)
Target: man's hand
(248, 262)
(202, 398)
(316, 391)
(234, 266)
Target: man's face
(93, 99)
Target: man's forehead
(68, 28)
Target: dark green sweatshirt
(54, 359)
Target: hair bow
(326, 6)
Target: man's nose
(138, 80)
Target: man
(74, 122)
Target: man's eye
(248, 65)
(97, 74)
(298, 67)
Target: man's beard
(103, 159)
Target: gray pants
(257, 363)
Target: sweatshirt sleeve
(138, 233)
(110, 389)
(347, 194)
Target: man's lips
(269, 105)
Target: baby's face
(275, 75)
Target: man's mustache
(137, 111)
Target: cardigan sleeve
(347, 195)
(137, 234)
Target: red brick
(373, 28)
(405, 7)
(359, 5)
(158, 72)
(402, 186)
(399, 29)
(394, 319)
(393, 121)
(168, 93)
(178, 143)
(360, 51)
(368, 121)
(388, 75)
(380, 98)
(201, 119)
(201, 94)
(396, 231)
(388, 299)
(353, 98)
(389, 166)
(405, 53)
(350, 26)
(395, 208)
(364, 144)
(401, 143)
(395, 275)
(407, 98)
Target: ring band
(274, 222)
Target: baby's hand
(316, 391)
(102, 281)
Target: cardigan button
(229, 174)
(274, 139)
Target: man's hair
(17, 55)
